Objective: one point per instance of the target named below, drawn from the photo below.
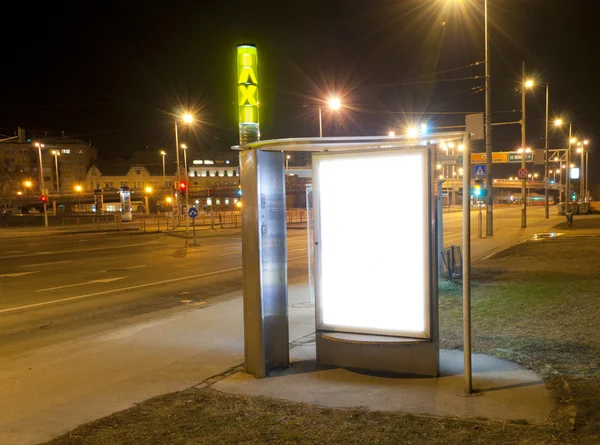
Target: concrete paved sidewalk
(507, 391)
(54, 389)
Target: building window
(138, 171)
(66, 151)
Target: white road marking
(120, 269)
(47, 264)
(78, 250)
(103, 280)
(17, 274)
(110, 291)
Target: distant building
(219, 175)
(19, 162)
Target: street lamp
(42, 187)
(188, 119)
(526, 84)
(287, 162)
(572, 140)
(56, 154)
(334, 104)
(163, 154)
(148, 190)
(187, 182)
(27, 184)
(78, 189)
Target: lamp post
(525, 84)
(546, 160)
(586, 142)
(572, 140)
(78, 189)
(148, 190)
(56, 154)
(187, 189)
(163, 154)
(42, 187)
(334, 104)
(287, 162)
(187, 118)
(580, 150)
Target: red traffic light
(183, 185)
(44, 198)
(211, 192)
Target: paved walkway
(506, 391)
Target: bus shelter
(375, 285)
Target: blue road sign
(479, 171)
(193, 212)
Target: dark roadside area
(535, 304)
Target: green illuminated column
(247, 75)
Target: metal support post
(489, 183)
(568, 172)
(479, 222)
(523, 154)
(440, 221)
(546, 155)
(467, 268)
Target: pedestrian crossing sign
(479, 171)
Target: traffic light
(44, 199)
(211, 192)
(182, 187)
(239, 190)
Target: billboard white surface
(373, 241)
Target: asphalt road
(61, 287)
(65, 286)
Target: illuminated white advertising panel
(372, 242)
(574, 172)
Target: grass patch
(536, 303)
(204, 416)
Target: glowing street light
(56, 154)
(39, 146)
(334, 103)
(412, 132)
(28, 184)
(163, 154)
(558, 122)
(188, 119)
(529, 83)
(78, 189)
(391, 133)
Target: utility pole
(568, 171)
(546, 176)
(178, 205)
(523, 154)
(489, 212)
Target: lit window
(66, 151)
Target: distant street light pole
(586, 142)
(489, 212)
(187, 118)
(163, 154)
(187, 189)
(334, 103)
(581, 177)
(568, 169)
(42, 187)
(56, 153)
(524, 85)
(78, 189)
(148, 190)
(287, 162)
(546, 156)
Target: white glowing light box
(372, 234)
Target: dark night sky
(115, 71)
